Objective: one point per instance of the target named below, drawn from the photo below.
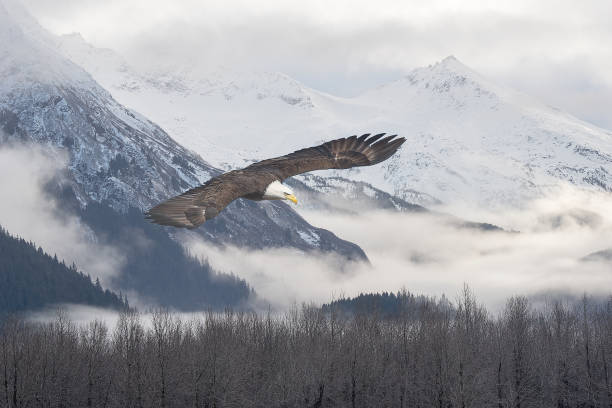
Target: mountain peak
(451, 64)
(16, 17)
(449, 60)
(448, 77)
(75, 35)
(23, 44)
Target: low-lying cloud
(83, 315)
(541, 250)
(28, 211)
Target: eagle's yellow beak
(292, 198)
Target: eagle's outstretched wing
(202, 203)
(337, 154)
(195, 206)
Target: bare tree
(431, 353)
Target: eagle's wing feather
(202, 203)
(337, 154)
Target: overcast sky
(557, 50)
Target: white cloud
(427, 254)
(82, 316)
(27, 211)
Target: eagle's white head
(278, 191)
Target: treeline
(31, 279)
(431, 355)
(387, 305)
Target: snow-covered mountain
(117, 157)
(471, 143)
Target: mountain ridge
(471, 142)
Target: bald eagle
(263, 180)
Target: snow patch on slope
(309, 236)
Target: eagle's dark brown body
(202, 203)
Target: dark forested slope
(31, 279)
(157, 267)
